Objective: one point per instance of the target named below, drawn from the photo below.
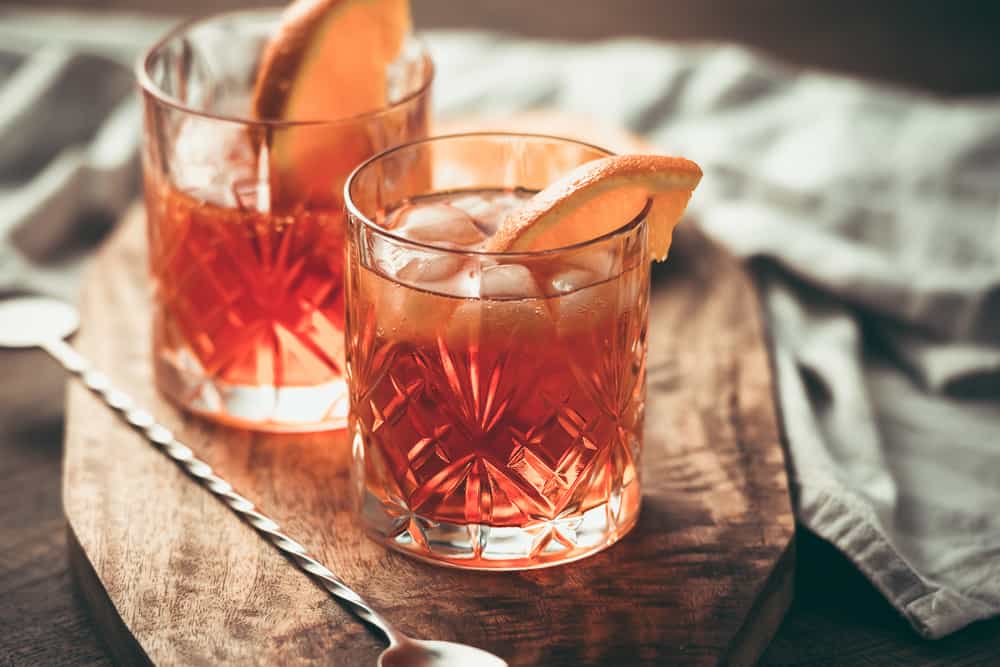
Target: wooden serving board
(173, 577)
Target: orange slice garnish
(597, 198)
(327, 60)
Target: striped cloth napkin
(869, 217)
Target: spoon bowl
(34, 321)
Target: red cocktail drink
(496, 398)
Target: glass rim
(148, 87)
(353, 210)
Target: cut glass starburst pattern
(497, 445)
(255, 296)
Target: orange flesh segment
(599, 197)
(327, 60)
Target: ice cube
(209, 157)
(403, 313)
(508, 281)
(497, 323)
(604, 263)
(489, 210)
(425, 270)
(438, 224)
(571, 280)
(388, 257)
(464, 284)
(471, 204)
(584, 308)
(450, 275)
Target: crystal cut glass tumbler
(247, 264)
(496, 399)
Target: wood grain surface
(705, 577)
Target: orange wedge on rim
(328, 60)
(597, 198)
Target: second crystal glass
(247, 264)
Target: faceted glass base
(259, 407)
(481, 547)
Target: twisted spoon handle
(201, 472)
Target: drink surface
(496, 391)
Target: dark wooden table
(837, 617)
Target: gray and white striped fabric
(870, 217)
(872, 220)
(69, 137)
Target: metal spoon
(28, 322)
